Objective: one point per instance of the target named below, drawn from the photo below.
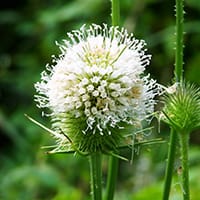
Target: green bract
(182, 108)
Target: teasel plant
(181, 111)
(98, 96)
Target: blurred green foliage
(29, 29)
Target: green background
(28, 31)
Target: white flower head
(100, 76)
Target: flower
(182, 107)
(96, 89)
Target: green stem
(179, 40)
(178, 71)
(170, 164)
(96, 176)
(115, 12)
(113, 162)
(184, 141)
(112, 177)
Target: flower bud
(182, 108)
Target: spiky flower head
(182, 108)
(96, 89)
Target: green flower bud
(182, 108)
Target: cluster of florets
(97, 85)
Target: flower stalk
(184, 142)
(179, 40)
(96, 176)
(170, 164)
(178, 71)
(115, 12)
(112, 177)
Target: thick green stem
(115, 12)
(96, 176)
(112, 177)
(170, 164)
(184, 141)
(179, 40)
